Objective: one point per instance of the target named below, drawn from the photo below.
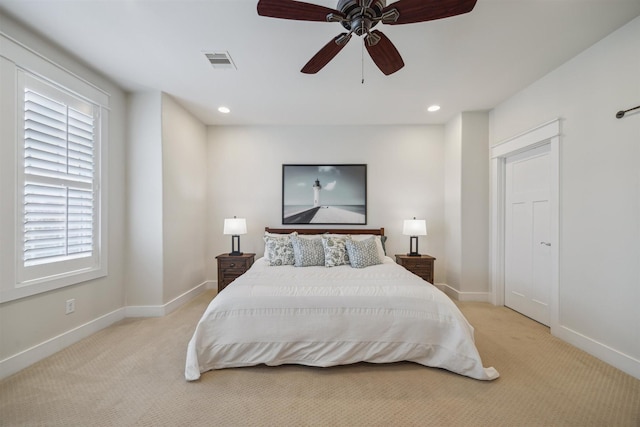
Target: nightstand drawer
(419, 265)
(231, 267)
(419, 270)
(229, 275)
(413, 262)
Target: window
(58, 180)
(59, 183)
(53, 134)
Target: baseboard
(457, 295)
(163, 310)
(185, 297)
(17, 362)
(615, 358)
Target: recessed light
(224, 110)
(433, 108)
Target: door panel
(527, 231)
(542, 253)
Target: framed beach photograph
(324, 194)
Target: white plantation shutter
(58, 180)
(59, 189)
(54, 127)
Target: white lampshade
(414, 227)
(235, 226)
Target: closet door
(527, 234)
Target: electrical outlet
(71, 306)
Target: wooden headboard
(376, 231)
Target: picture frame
(324, 194)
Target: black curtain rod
(620, 114)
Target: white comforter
(320, 316)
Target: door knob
(545, 243)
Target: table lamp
(414, 228)
(235, 227)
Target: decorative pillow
(380, 242)
(307, 252)
(335, 251)
(363, 253)
(278, 250)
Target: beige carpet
(131, 374)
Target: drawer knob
(233, 264)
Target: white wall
(599, 283)
(167, 181)
(405, 168)
(474, 283)
(467, 206)
(453, 202)
(29, 327)
(184, 177)
(144, 200)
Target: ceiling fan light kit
(359, 17)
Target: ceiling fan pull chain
(362, 61)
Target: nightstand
(419, 265)
(230, 267)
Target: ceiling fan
(359, 17)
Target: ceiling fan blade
(385, 54)
(411, 11)
(291, 9)
(326, 54)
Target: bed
(333, 314)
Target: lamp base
(413, 246)
(235, 245)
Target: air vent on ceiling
(220, 60)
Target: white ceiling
(465, 63)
